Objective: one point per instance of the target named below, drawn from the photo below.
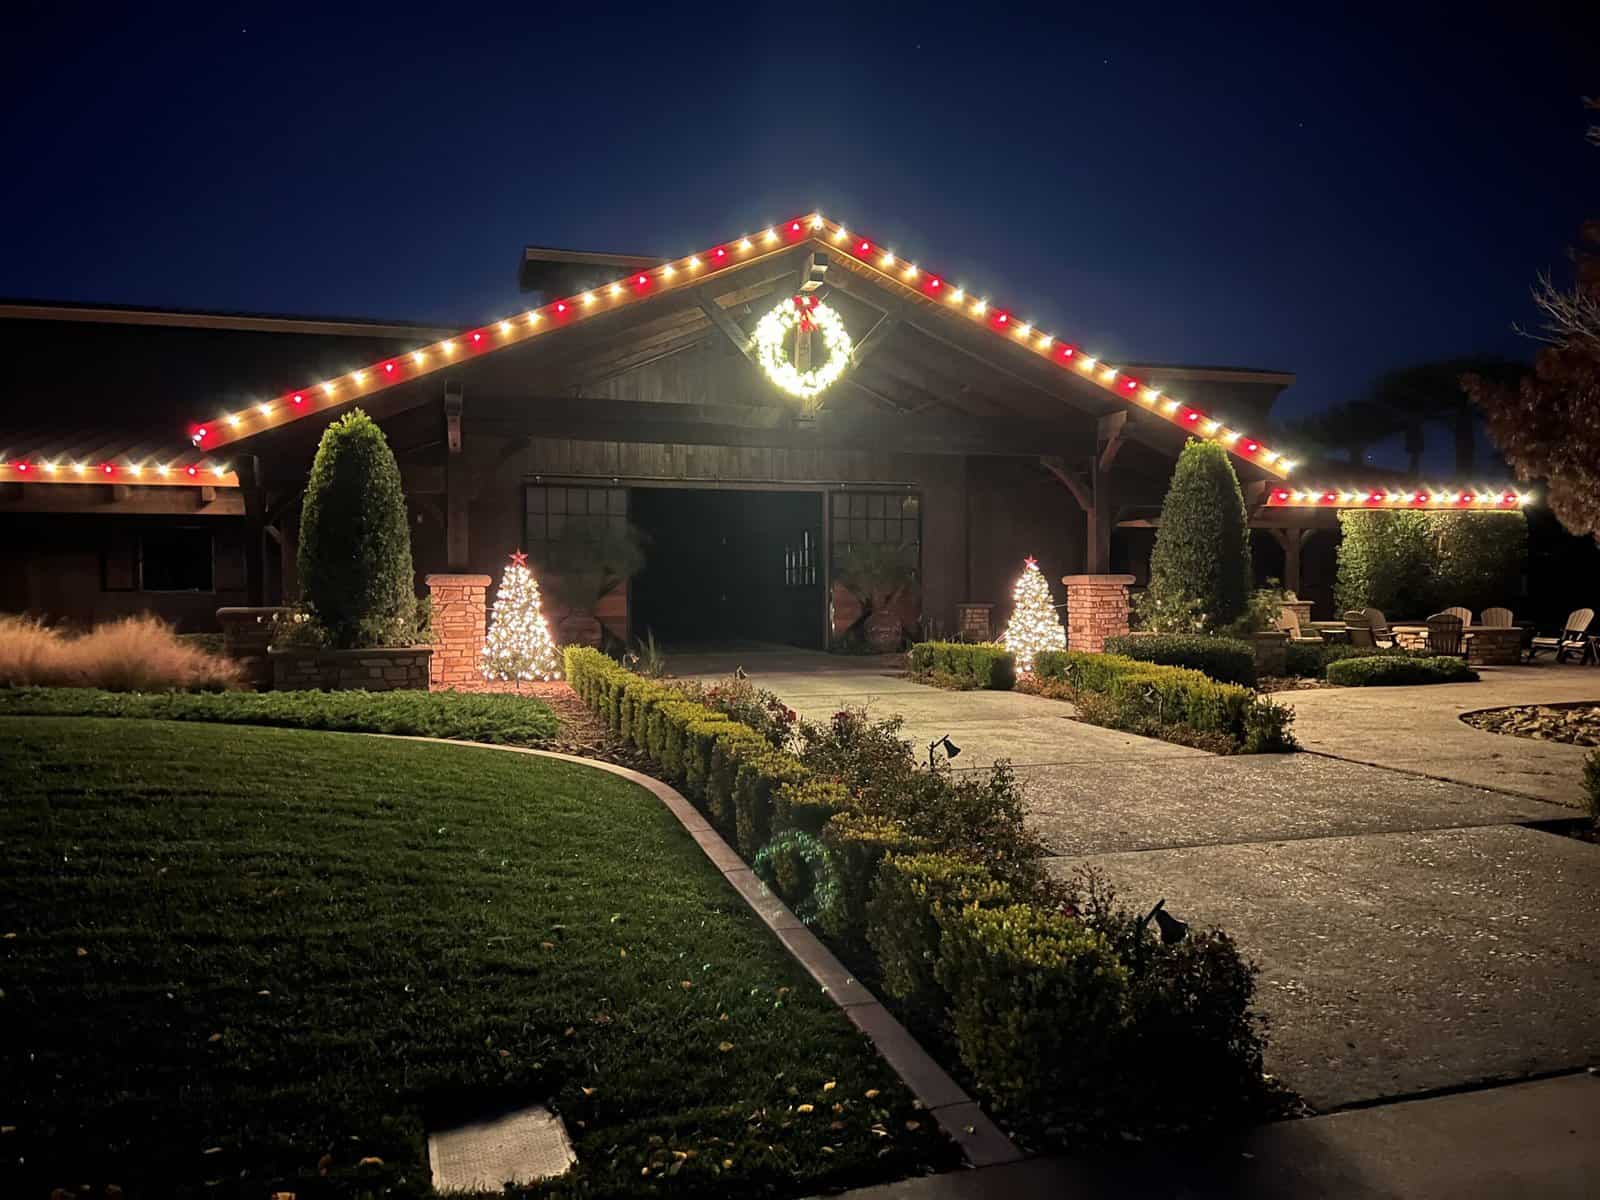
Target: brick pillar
(1097, 608)
(460, 623)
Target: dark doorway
(729, 565)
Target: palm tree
(1432, 392)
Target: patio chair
(1359, 626)
(1574, 639)
(1382, 635)
(1289, 622)
(1496, 618)
(1465, 614)
(1444, 634)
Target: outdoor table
(1333, 631)
(1410, 637)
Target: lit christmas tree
(519, 645)
(1034, 625)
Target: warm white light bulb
(233, 420)
(135, 469)
(980, 307)
(417, 356)
(163, 469)
(588, 297)
(1045, 341)
(744, 243)
(840, 234)
(219, 471)
(328, 387)
(769, 236)
(1087, 362)
(957, 296)
(1171, 406)
(1108, 374)
(1024, 329)
(1212, 426)
(667, 271)
(448, 347)
(911, 271)
(77, 468)
(264, 409)
(886, 261)
(1231, 436)
(616, 289)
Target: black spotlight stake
(950, 749)
(1172, 930)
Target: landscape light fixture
(740, 673)
(950, 749)
(1172, 929)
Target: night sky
(1331, 197)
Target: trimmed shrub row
(1393, 670)
(498, 719)
(968, 665)
(1155, 700)
(749, 790)
(1061, 1020)
(1227, 660)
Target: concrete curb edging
(957, 1113)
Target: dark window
(875, 518)
(551, 511)
(175, 560)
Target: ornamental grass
(131, 654)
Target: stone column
(460, 623)
(1097, 608)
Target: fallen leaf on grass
(215, 1037)
(830, 1085)
(872, 1093)
(725, 1047)
(371, 1160)
(805, 1108)
(727, 1164)
(324, 1163)
(687, 984)
(547, 945)
(82, 953)
(588, 1091)
(913, 1125)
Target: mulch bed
(1578, 724)
(582, 732)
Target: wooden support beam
(457, 488)
(729, 327)
(1293, 542)
(868, 345)
(248, 469)
(1076, 483)
(1111, 433)
(452, 415)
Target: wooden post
(255, 529)
(457, 484)
(1292, 541)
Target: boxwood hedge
(1388, 670)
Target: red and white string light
(860, 250)
(141, 472)
(1436, 499)
(863, 253)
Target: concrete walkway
(1413, 933)
(1539, 1139)
(1419, 729)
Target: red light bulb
(1191, 416)
(200, 433)
(299, 399)
(1466, 497)
(389, 367)
(1252, 447)
(1281, 495)
(1375, 497)
(477, 337)
(1002, 318)
(794, 227)
(23, 467)
(934, 283)
(1422, 497)
(191, 470)
(642, 280)
(864, 248)
(561, 306)
(1068, 351)
(1328, 497)
(721, 253)
(1130, 384)
(106, 468)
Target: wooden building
(155, 460)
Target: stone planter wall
(1097, 608)
(246, 633)
(391, 669)
(1272, 653)
(1303, 607)
(460, 627)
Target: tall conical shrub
(355, 541)
(1200, 574)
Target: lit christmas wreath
(783, 345)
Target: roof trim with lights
(927, 286)
(1455, 499)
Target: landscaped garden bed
(1575, 723)
(1060, 1008)
(246, 961)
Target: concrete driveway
(1414, 932)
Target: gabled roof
(925, 289)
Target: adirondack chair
(1496, 618)
(1444, 634)
(1359, 626)
(1382, 635)
(1574, 639)
(1289, 622)
(1465, 614)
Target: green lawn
(236, 958)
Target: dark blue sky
(1331, 197)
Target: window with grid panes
(552, 510)
(884, 518)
